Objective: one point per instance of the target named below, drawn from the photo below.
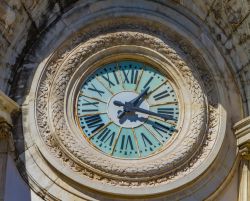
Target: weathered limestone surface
(228, 21)
(242, 132)
(23, 21)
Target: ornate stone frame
(53, 145)
(114, 172)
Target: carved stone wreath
(57, 135)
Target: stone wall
(22, 21)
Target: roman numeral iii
(167, 111)
(161, 95)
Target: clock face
(127, 110)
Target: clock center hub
(129, 119)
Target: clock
(127, 109)
(127, 115)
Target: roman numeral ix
(87, 103)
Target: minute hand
(141, 110)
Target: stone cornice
(242, 133)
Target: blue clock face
(127, 110)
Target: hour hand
(118, 103)
(133, 102)
(122, 113)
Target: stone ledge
(242, 132)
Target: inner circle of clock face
(131, 119)
(127, 109)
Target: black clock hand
(130, 108)
(141, 110)
(122, 113)
(118, 103)
(134, 102)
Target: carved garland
(57, 74)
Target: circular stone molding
(59, 137)
(91, 35)
(162, 162)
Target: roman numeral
(116, 79)
(95, 122)
(167, 111)
(100, 92)
(87, 103)
(133, 76)
(161, 95)
(90, 103)
(128, 142)
(108, 80)
(162, 128)
(146, 140)
(106, 135)
(148, 82)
